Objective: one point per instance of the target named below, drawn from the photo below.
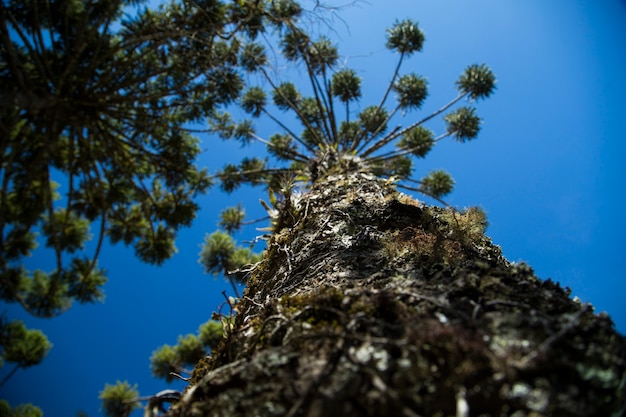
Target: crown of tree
(331, 137)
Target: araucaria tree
(94, 99)
(367, 302)
(364, 302)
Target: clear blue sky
(547, 168)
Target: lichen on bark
(370, 303)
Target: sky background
(547, 168)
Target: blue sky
(546, 168)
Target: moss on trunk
(368, 303)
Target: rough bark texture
(369, 304)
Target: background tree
(94, 107)
(367, 302)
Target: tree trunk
(368, 303)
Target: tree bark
(368, 303)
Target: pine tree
(95, 100)
(368, 302)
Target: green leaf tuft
(405, 37)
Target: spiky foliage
(231, 218)
(220, 255)
(330, 137)
(168, 361)
(21, 346)
(98, 101)
(22, 410)
(119, 400)
(102, 112)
